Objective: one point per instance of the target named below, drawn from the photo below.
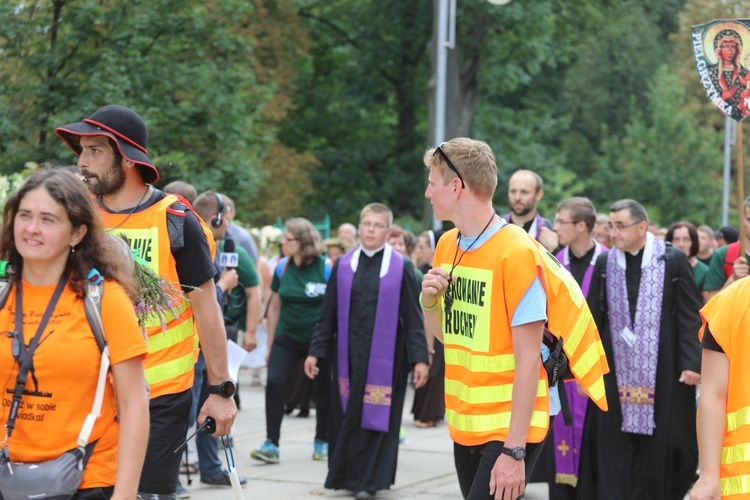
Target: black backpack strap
(565, 404)
(176, 214)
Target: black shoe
(222, 479)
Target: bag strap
(93, 307)
(24, 357)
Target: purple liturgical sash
(534, 229)
(376, 407)
(568, 438)
(636, 345)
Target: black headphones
(217, 221)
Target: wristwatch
(518, 453)
(225, 389)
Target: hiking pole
(234, 478)
(209, 427)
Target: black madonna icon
(722, 56)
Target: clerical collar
(370, 253)
(585, 258)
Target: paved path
(425, 461)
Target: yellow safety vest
(728, 318)
(488, 285)
(172, 352)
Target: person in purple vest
(574, 223)
(371, 329)
(525, 190)
(645, 302)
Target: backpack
(733, 252)
(281, 268)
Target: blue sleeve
(533, 306)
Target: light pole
(445, 39)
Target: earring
(72, 249)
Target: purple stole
(376, 407)
(567, 440)
(635, 361)
(534, 229)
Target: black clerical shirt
(633, 278)
(579, 265)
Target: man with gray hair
(645, 302)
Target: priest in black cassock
(371, 327)
(645, 301)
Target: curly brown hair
(97, 250)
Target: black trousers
(474, 465)
(169, 416)
(285, 353)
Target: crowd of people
(565, 350)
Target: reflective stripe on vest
(172, 351)
(497, 422)
(736, 485)
(170, 369)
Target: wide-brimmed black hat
(124, 126)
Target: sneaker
(268, 453)
(402, 435)
(222, 479)
(365, 495)
(320, 450)
(182, 492)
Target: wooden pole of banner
(740, 189)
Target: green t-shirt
(701, 271)
(236, 309)
(301, 290)
(715, 278)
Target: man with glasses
(645, 302)
(525, 190)
(574, 223)
(372, 331)
(486, 298)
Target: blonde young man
(111, 147)
(485, 298)
(372, 329)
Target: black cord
(448, 298)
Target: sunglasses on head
(450, 163)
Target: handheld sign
(722, 56)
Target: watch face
(227, 389)
(519, 453)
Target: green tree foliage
(663, 160)
(210, 79)
(360, 107)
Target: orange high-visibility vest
(172, 352)
(487, 287)
(728, 318)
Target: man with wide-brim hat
(112, 152)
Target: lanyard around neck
(25, 355)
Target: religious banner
(722, 56)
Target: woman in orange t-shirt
(51, 234)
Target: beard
(110, 182)
(524, 210)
